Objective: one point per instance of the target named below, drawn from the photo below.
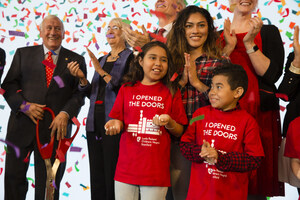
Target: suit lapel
(61, 65)
(41, 67)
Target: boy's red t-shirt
(232, 131)
(144, 156)
(292, 147)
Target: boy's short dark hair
(237, 76)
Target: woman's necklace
(114, 57)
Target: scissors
(46, 153)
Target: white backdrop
(85, 22)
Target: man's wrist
(67, 114)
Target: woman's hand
(113, 127)
(296, 61)
(255, 25)
(229, 37)
(184, 77)
(192, 74)
(96, 63)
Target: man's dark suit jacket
(26, 81)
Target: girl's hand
(296, 61)
(208, 153)
(75, 70)
(113, 127)
(230, 38)
(255, 25)
(161, 120)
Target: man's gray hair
(52, 17)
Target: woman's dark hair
(136, 72)
(178, 44)
(237, 76)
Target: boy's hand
(161, 120)
(208, 153)
(113, 127)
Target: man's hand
(59, 124)
(75, 69)
(33, 110)
(135, 39)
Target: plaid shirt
(192, 99)
(232, 161)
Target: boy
(224, 141)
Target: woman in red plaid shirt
(193, 39)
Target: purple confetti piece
(59, 81)
(26, 108)
(1, 68)
(17, 150)
(44, 145)
(53, 184)
(110, 35)
(75, 149)
(97, 46)
(16, 33)
(98, 138)
(76, 163)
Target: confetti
(99, 102)
(59, 81)
(282, 96)
(173, 78)
(200, 117)
(17, 150)
(49, 64)
(68, 184)
(75, 149)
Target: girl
(148, 109)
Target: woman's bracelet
(294, 69)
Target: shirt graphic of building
(144, 126)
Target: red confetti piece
(75, 121)
(69, 169)
(282, 108)
(158, 14)
(158, 38)
(68, 185)
(175, 75)
(2, 91)
(114, 6)
(139, 49)
(1, 170)
(48, 64)
(282, 96)
(99, 102)
(26, 160)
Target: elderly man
(29, 87)
(168, 10)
